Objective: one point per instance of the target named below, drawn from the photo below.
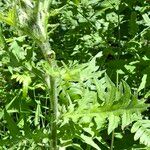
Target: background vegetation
(78, 67)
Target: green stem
(52, 90)
(112, 140)
(41, 40)
(53, 98)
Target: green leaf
(143, 83)
(146, 19)
(25, 79)
(126, 95)
(11, 18)
(90, 141)
(130, 68)
(113, 122)
(26, 83)
(138, 134)
(126, 119)
(5, 19)
(2, 39)
(100, 91)
(17, 51)
(37, 113)
(141, 128)
(9, 105)
(110, 97)
(12, 125)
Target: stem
(112, 140)
(53, 101)
(52, 90)
(41, 39)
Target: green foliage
(25, 80)
(102, 74)
(141, 128)
(101, 105)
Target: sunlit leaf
(143, 83)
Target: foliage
(102, 74)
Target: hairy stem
(53, 98)
(52, 90)
(38, 32)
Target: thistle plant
(82, 104)
(31, 18)
(36, 28)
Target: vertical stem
(112, 140)
(53, 99)
(52, 90)
(40, 15)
